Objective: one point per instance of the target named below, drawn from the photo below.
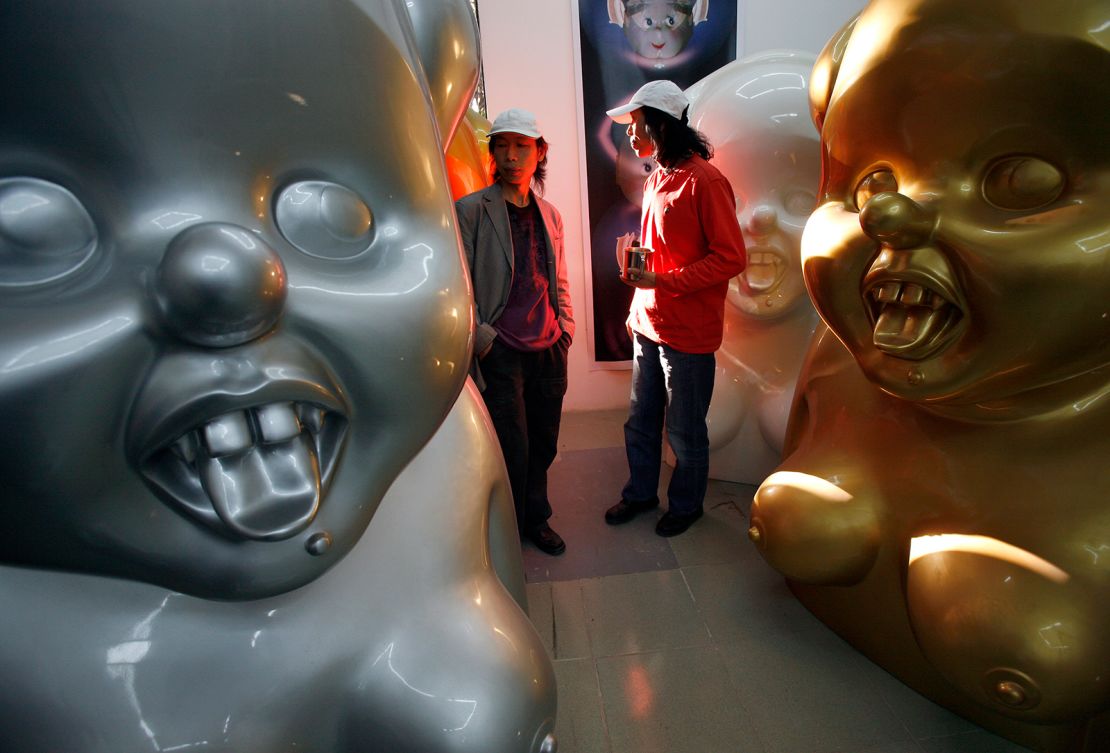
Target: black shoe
(624, 511)
(546, 540)
(672, 525)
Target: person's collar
(515, 198)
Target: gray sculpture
(232, 312)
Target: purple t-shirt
(528, 321)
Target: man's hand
(637, 279)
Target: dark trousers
(524, 397)
(675, 385)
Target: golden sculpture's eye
(1020, 183)
(874, 183)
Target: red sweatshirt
(689, 221)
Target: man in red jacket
(677, 316)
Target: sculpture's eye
(671, 22)
(45, 232)
(324, 219)
(874, 183)
(799, 202)
(1023, 182)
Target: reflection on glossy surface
(958, 254)
(468, 156)
(234, 309)
(755, 112)
(406, 648)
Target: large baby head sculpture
(943, 502)
(755, 112)
(232, 310)
(233, 307)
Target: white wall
(528, 54)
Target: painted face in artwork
(232, 305)
(657, 29)
(632, 171)
(961, 242)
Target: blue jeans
(669, 388)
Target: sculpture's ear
(825, 71)
(616, 12)
(700, 12)
(446, 35)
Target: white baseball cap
(516, 120)
(662, 95)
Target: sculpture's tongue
(267, 491)
(901, 328)
(760, 276)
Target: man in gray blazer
(514, 247)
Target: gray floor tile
(674, 701)
(542, 614)
(641, 612)
(805, 695)
(900, 747)
(747, 600)
(720, 536)
(582, 484)
(979, 741)
(589, 430)
(580, 725)
(571, 638)
(920, 716)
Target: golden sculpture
(944, 504)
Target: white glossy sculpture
(755, 112)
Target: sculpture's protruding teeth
(311, 416)
(277, 422)
(186, 447)
(230, 433)
(887, 292)
(912, 295)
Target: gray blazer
(488, 242)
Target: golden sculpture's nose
(896, 221)
(220, 285)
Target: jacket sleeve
(566, 310)
(725, 257)
(469, 213)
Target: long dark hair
(541, 167)
(674, 139)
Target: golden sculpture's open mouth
(910, 319)
(258, 471)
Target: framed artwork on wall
(620, 46)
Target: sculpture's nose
(763, 221)
(896, 221)
(220, 285)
